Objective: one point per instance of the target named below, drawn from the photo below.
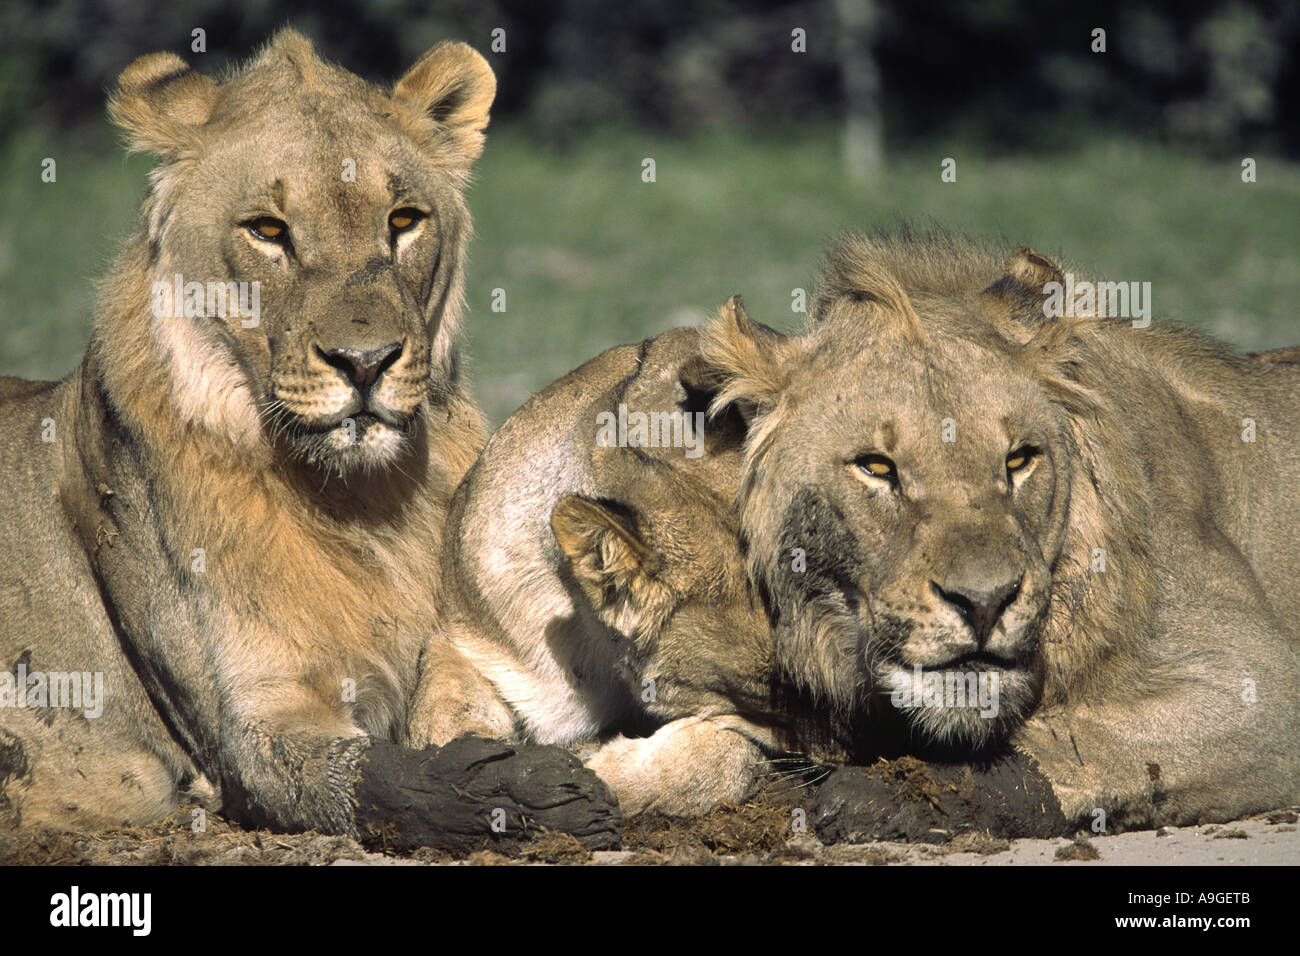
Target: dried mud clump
(910, 801)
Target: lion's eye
(401, 220)
(268, 229)
(877, 466)
(1018, 459)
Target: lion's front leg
(686, 768)
(281, 775)
(1205, 733)
(453, 699)
(289, 758)
(1199, 756)
(1110, 773)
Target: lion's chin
(360, 444)
(969, 708)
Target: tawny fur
(601, 594)
(1164, 685)
(256, 587)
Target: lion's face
(334, 210)
(345, 269)
(904, 505)
(942, 479)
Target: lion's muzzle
(353, 405)
(980, 603)
(362, 367)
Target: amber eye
(402, 219)
(268, 229)
(1019, 458)
(877, 466)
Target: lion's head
(914, 502)
(659, 565)
(305, 235)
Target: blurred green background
(1128, 161)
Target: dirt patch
(750, 828)
(938, 809)
(869, 855)
(1079, 849)
(489, 858)
(174, 841)
(645, 858)
(755, 831)
(975, 841)
(557, 848)
(42, 848)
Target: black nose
(979, 606)
(363, 366)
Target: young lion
(223, 519)
(599, 588)
(1095, 522)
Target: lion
(228, 515)
(1069, 539)
(598, 588)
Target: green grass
(590, 256)
(55, 240)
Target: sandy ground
(753, 834)
(1253, 842)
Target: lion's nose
(363, 366)
(980, 605)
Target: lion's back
(12, 389)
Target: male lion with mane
(235, 518)
(1096, 521)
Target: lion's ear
(744, 359)
(160, 102)
(453, 86)
(612, 563)
(1027, 272)
(1015, 301)
(1033, 270)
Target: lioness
(598, 586)
(228, 516)
(1096, 522)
